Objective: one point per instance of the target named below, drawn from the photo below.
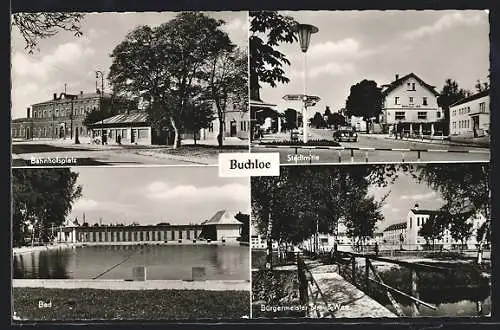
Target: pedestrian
(376, 249)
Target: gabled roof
(426, 212)
(393, 85)
(222, 217)
(396, 226)
(471, 98)
(125, 118)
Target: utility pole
(97, 73)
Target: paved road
(439, 151)
(23, 156)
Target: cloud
(417, 197)
(446, 22)
(236, 25)
(329, 69)
(390, 208)
(330, 49)
(87, 204)
(160, 191)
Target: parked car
(347, 134)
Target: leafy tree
(165, 65)
(461, 227)
(291, 118)
(364, 100)
(198, 116)
(36, 26)
(245, 229)
(363, 218)
(433, 228)
(336, 119)
(268, 29)
(482, 86)
(227, 83)
(318, 120)
(450, 94)
(42, 198)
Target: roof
(396, 83)
(396, 226)
(125, 118)
(78, 96)
(471, 98)
(426, 212)
(222, 217)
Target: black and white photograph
(372, 241)
(118, 243)
(124, 88)
(370, 86)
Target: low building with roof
(470, 116)
(223, 226)
(128, 128)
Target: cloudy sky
(65, 58)
(355, 45)
(149, 195)
(403, 194)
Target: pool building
(222, 227)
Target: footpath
(478, 143)
(338, 298)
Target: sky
(149, 195)
(376, 45)
(65, 58)
(403, 194)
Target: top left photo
(131, 88)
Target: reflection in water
(163, 262)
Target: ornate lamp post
(305, 31)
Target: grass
(92, 304)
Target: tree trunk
(220, 137)
(176, 130)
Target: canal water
(163, 262)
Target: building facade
(410, 104)
(470, 117)
(125, 128)
(417, 218)
(59, 118)
(394, 235)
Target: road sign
(293, 97)
(311, 98)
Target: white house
(410, 103)
(236, 124)
(416, 219)
(470, 117)
(225, 225)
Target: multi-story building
(394, 235)
(417, 218)
(470, 117)
(236, 124)
(410, 104)
(59, 118)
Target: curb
(455, 144)
(173, 157)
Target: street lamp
(304, 31)
(97, 73)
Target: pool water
(162, 262)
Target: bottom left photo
(148, 243)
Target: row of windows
(138, 236)
(62, 112)
(411, 100)
(401, 115)
(466, 110)
(461, 124)
(45, 131)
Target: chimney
(81, 93)
(397, 76)
(28, 112)
(55, 96)
(416, 206)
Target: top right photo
(332, 87)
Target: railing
(348, 269)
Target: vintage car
(345, 134)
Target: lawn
(92, 304)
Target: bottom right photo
(372, 241)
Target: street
(36, 153)
(372, 148)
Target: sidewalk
(435, 141)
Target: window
(142, 133)
(422, 115)
(400, 115)
(412, 86)
(211, 127)
(396, 100)
(188, 234)
(482, 107)
(418, 221)
(411, 220)
(141, 236)
(438, 114)
(180, 234)
(147, 236)
(411, 99)
(468, 109)
(424, 100)
(173, 235)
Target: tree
(164, 65)
(318, 120)
(433, 228)
(36, 26)
(364, 100)
(291, 118)
(245, 229)
(42, 198)
(450, 94)
(198, 116)
(482, 86)
(336, 119)
(461, 227)
(227, 83)
(268, 29)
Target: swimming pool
(163, 262)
